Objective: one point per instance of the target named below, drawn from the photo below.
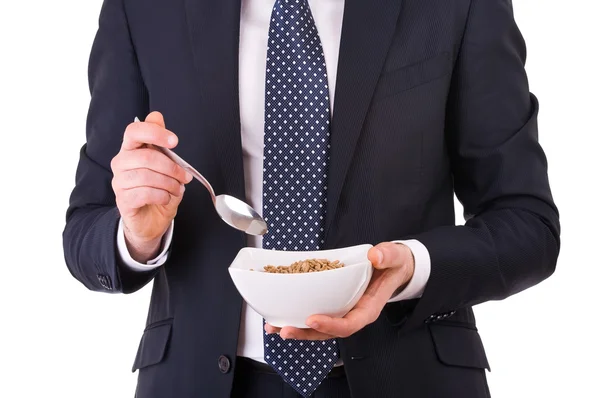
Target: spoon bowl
(240, 215)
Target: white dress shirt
(254, 28)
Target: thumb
(175, 202)
(388, 255)
(156, 118)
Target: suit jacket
(432, 99)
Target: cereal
(304, 266)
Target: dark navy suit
(432, 99)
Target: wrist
(141, 250)
(408, 266)
(415, 267)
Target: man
(431, 99)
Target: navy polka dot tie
(296, 155)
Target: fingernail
(136, 119)
(313, 324)
(182, 189)
(172, 140)
(379, 257)
(188, 177)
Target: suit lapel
(214, 36)
(367, 31)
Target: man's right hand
(148, 185)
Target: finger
(136, 198)
(289, 332)
(388, 255)
(295, 333)
(270, 329)
(355, 320)
(365, 312)
(147, 178)
(156, 118)
(147, 158)
(139, 134)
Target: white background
(57, 338)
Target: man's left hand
(394, 267)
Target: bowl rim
(353, 265)
(272, 252)
(250, 248)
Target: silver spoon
(233, 211)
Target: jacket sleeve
(510, 241)
(118, 95)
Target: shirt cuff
(129, 262)
(417, 284)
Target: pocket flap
(459, 346)
(407, 77)
(152, 346)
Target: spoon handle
(185, 165)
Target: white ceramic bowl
(289, 299)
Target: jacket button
(224, 364)
(105, 281)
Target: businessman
(343, 122)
